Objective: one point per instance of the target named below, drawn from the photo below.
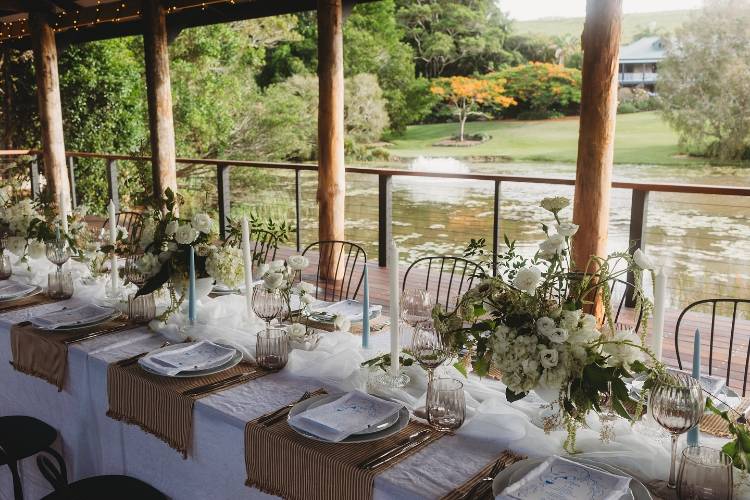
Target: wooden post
(225, 202)
(7, 101)
(331, 175)
(50, 108)
(161, 122)
(601, 43)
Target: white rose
(567, 228)
(306, 287)
(307, 299)
(276, 265)
(298, 262)
(171, 227)
(548, 358)
(642, 260)
(557, 335)
(185, 234)
(527, 279)
(296, 331)
(262, 270)
(37, 249)
(16, 245)
(273, 280)
(545, 325)
(552, 245)
(342, 323)
(203, 223)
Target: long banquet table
(93, 443)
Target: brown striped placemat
(715, 425)
(158, 405)
(44, 354)
(34, 300)
(505, 459)
(376, 325)
(281, 462)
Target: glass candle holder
(141, 308)
(60, 285)
(272, 348)
(5, 268)
(446, 404)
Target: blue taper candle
(191, 285)
(366, 313)
(693, 437)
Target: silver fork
(273, 417)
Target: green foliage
(543, 87)
(739, 448)
(530, 47)
(626, 107)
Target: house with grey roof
(639, 61)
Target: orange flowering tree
(543, 88)
(466, 94)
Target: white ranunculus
(342, 323)
(306, 287)
(642, 260)
(548, 357)
(37, 249)
(567, 228)
(545, 326)
(298, 262)
(557, 335)
(16, 245)
(185, 234)
(296, 331)
(277, 265)
(273, 280)
(202, 222)
(171, 227)
(261, 270)
(527, 279)
(552, 245)
(570, 319)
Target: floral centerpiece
(529, 322)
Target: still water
(703, 240)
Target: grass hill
(632, 24)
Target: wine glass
(416, 306)
(428, 349)
(705, 473)
(58, 252)
(677, 403)
(267, 304)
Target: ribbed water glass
(705, 474)
(133, 272)
(141, 308)
(272, 348)
(5, 268)
(267, 304)
(58, 252)
(446, 404)
(416, 307)
(677, 403)
(60, 285)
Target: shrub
(538, 115)
(542, 88)
(626, 107)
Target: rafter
(66, 5)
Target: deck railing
(638, 212)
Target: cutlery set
(483, 488)
(220, 384)
(282, 412)
(396, 451)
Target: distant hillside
(632, 24)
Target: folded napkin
(353, 412)
(352, 309)
(202, 355)
(12, 289)
(89, 313)
(559, 479)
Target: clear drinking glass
(416, 306)
(272, 348)
(58, 252)
(705, 474)
(141, 308)
(5, 268)
(677, 403)
(60, 285)
(267, 304)
(446, 405)
(428, 349)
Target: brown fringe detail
(34, 373)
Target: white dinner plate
(82, 326)
(387, 427)
(518, 470)
(234, 361)
(727, 396)
(37, 290)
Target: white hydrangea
(185, 234)
(226, 265)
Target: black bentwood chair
(93, 488)
(131, 221)
(265, 244)
(718, 346)
(347, 260)
(619, 292)
(446, 278)
(22, 437)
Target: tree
(543, 90)
(467, 94)
(455, 37)
(530, 47)
(704, 81)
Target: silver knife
(370, 462)
(219, 384)
(400, 452)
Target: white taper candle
(660, 299)
(247, 254)
(395, 295)
(114, 277)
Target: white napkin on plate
(89, 313)
(12, 289)
(352, 309)
(559, 479)
(202, 355)
(353, 412)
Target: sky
(534, 9)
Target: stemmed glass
(58, 252)
(677, 403)
(428, 349)
(416, 307)
(267, 304)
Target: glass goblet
(446, 404)
(706, 474)
(428, 349)
(267, 304)
(677, 403)
(416, 306)
(58, 252)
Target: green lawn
(639, 138)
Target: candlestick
(693, 436)
(366, 312)
(191, 284)
(114, 276)
(395, 308)
(247, 254)
(660, 293)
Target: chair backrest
(346, 259)
(619, 292)
(55, 474)
(131, 221)
(446, 277)
(264, 243)
(736, 336)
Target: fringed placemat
(717, 426)
(44, 354)
(159, 405)
(478, 485)
(281, 462)
(34, 300)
